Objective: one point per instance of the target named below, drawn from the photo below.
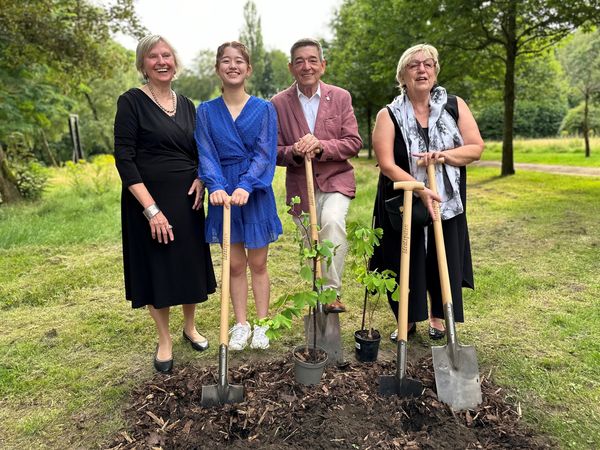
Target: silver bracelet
(151, 211)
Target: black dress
(160, 151)
(424, 275)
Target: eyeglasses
(429, 64)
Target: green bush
(572, 124)
(31, 179)
(92, 178)
(532, 119)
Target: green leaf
(306, 273)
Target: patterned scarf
(443, 135)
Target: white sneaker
(259, 338)
(239, 336)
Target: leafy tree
(97, 101)
(62, 34)
(49, 51)
(506, 30)
(369, 39)
(573, 122)
(581, 61)
(541, 92)
(251, 37)
(360, 58)
(200, 82)
(279, 78)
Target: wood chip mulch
(344, 411)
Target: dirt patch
(344, 411)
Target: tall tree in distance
(280, 77)
(199, 82)
(506, 30)
(251, 37)
(581, 61)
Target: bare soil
(344, 411)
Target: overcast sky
(192, 25)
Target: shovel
(328, 325)
(223, 392)
(400, 384)
(455, 365)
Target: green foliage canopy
(581, 61)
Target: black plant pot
(366, 349)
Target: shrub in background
(96, 177)
(572, 124)
(532, 119)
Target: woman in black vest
(424, 122)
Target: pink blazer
(337, 130)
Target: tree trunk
(107, 140)
(586, 125)
(46, 148)
(508, 167)
(369, 115)
(8, 185)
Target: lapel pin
(327, 98)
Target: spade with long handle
(455, 365)
(223, 392)
(400, 384)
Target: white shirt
(310, 106)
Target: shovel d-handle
(408, 187)
(441, 257)
(312, 206)
(225, 269)
(421, 162)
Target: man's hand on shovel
(308, 145)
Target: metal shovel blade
(399, 384)
(222, 392)
(457, 375)
(328, 335)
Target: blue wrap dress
(235, 154)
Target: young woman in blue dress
(236, 135)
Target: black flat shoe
(436, 334)
(198, 346)
(412, 330)
(162, 366)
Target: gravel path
(548, 168)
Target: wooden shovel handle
(312, 207)
(225, 269)
(408, 187)
(439, 239)
(421, 163)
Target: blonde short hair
(144, 46)
(406, 57)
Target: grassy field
(71, 348)
(563, 151)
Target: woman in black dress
(424, 122)
(166, 259)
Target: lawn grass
(557, 151)
(71, 348)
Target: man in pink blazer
(317, 120)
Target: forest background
(527, 69)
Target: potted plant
(362, 241)
(309, 358)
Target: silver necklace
(168, 111)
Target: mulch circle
(344, 411)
